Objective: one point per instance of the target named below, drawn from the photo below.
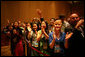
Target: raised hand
(54, 36)
(68, 35)
(8, 21)
(29, 29)
(42, 29)
(79, 23)
(39, 11)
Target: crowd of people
(57, 38)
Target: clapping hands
(68, 35)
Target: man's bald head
(74, 15)
(74, 18)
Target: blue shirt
(59, 44)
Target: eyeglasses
(74, 17)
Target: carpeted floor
(5, 46)
(5, 51)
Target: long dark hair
(60, 19)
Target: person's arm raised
(53, 42)
(46, 35)
(39, 12)
(66, 39)
(39, 35)
(79, 23)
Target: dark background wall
(78, 7)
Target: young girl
(58, 40)
(42, 37)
